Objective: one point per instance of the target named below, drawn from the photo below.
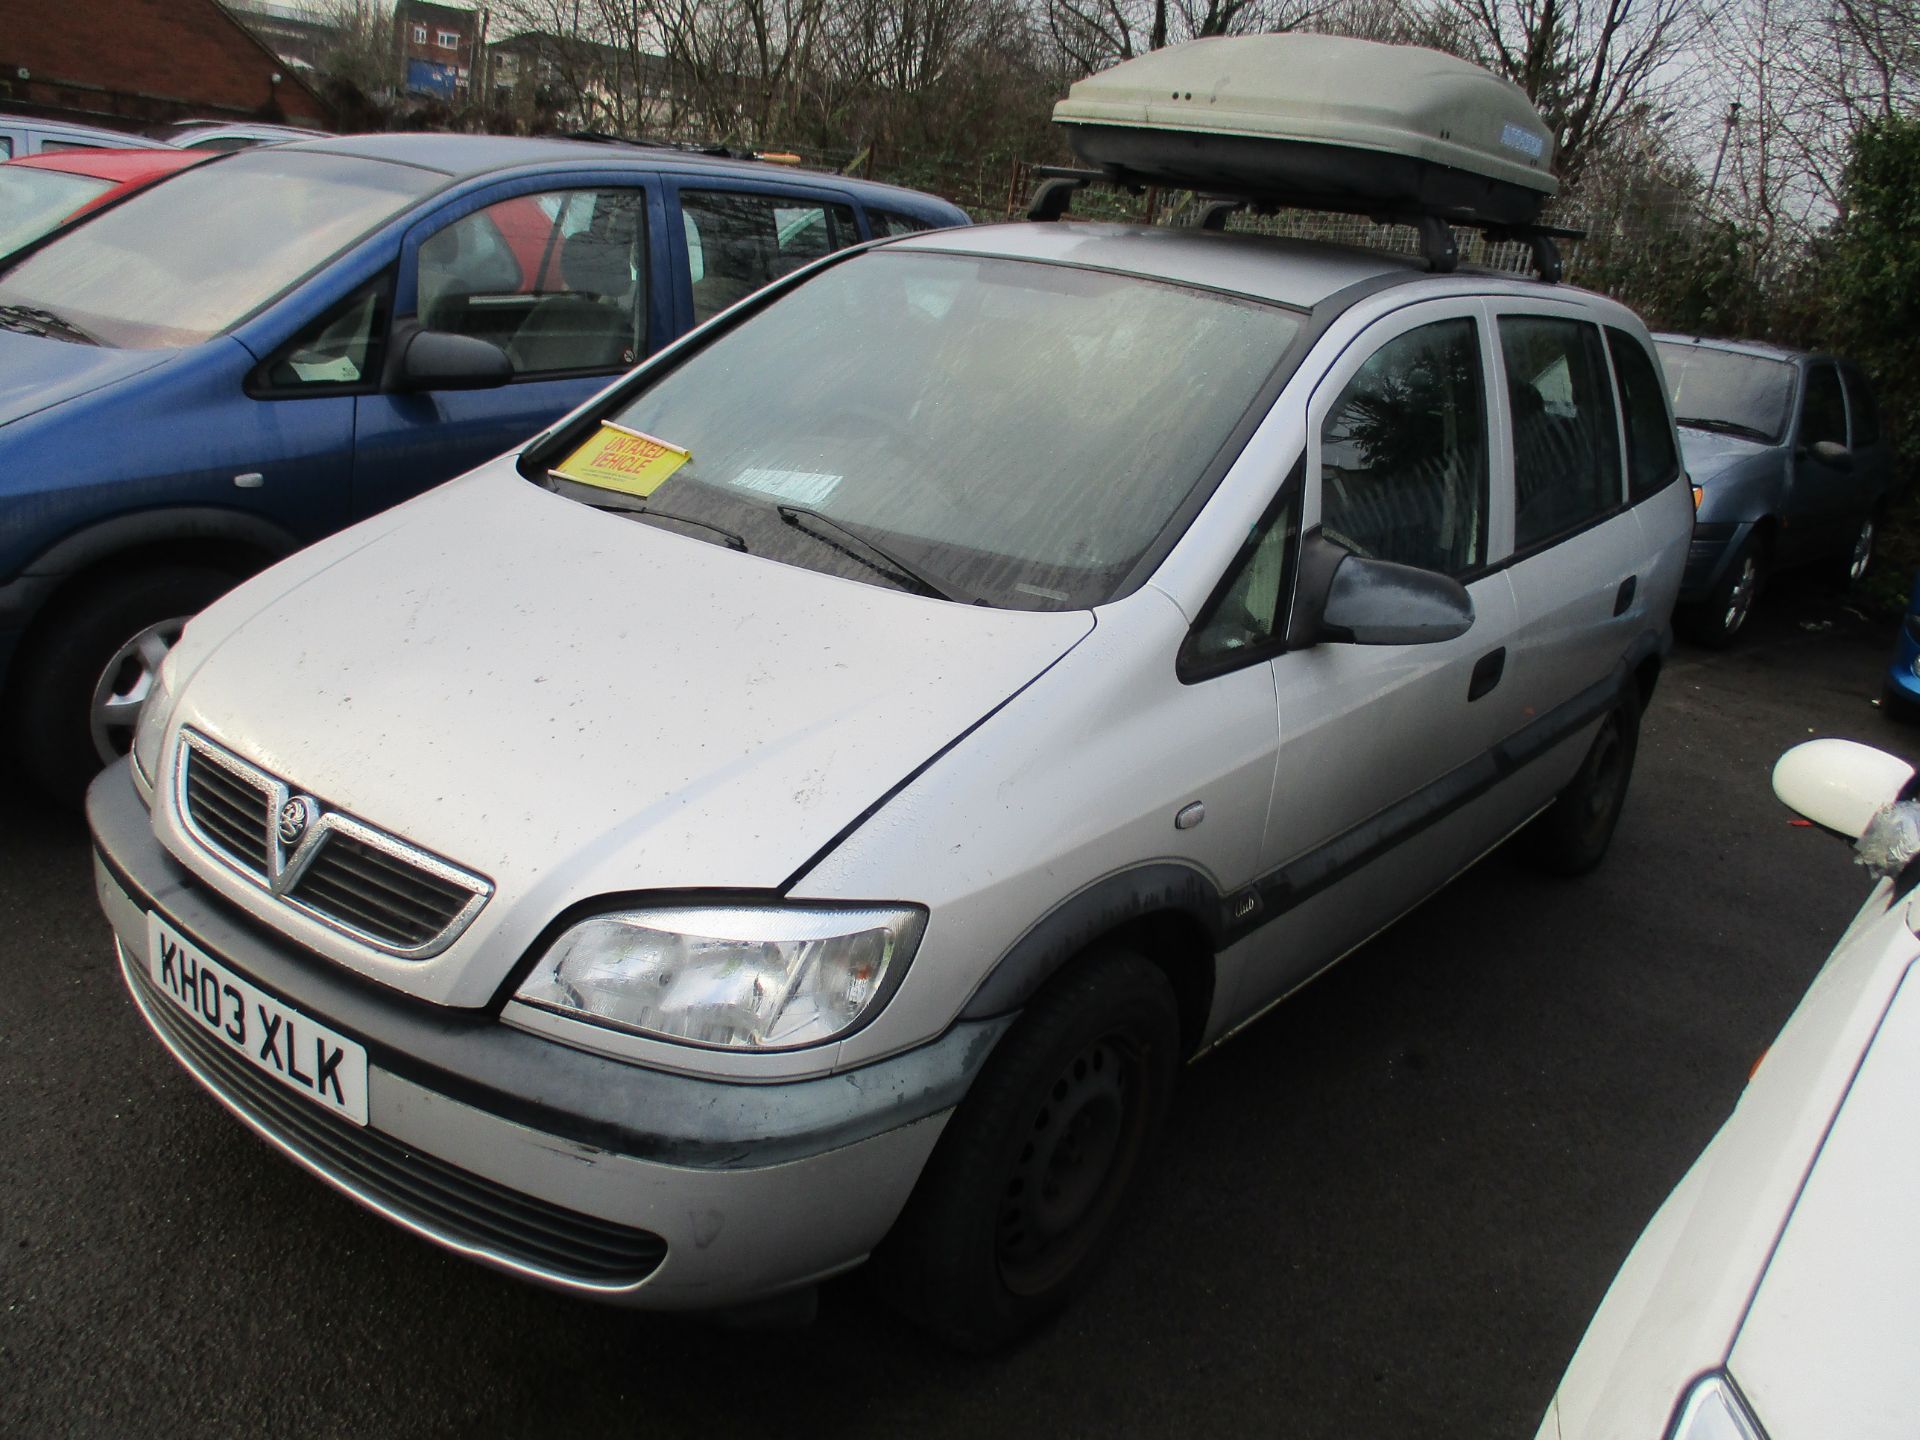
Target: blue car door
(561, 273)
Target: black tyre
(81, 681)
(1016, 1209)
(1572, 835)
(1721, 617)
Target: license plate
(295, 1049)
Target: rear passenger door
(1578, 550)
(733, 239)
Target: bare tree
(1588, 65)
(1093, 34)
(592, 62)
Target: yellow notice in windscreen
(617, 458)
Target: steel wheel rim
(1740, 598)
(1862, 552)
(1081, 1142)
(1607, 776)
(124, 685)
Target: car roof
(180, 128)
(468, 156)
(116, 165)
(69, 131)
(1300, 273)
(1757, 348)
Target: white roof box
(1319, 122)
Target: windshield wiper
(26, 320)
(733, 539)
(895, 569)
(611, 501)
(1722, 427)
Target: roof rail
(1053, 198)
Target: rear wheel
(1720, 618)
(1572, 835)
(1018, 1205)
(81, 685)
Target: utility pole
(1713, 185)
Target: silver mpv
(810, 802)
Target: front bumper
(569, 1169)
(1712, 547)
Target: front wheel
(1018, 1204)
(1721, 617)
(83, 681)
(1571, 836)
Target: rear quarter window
(1652, 458)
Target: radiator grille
(359, 880)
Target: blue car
(1789, 469)
(277, 343)
(1900, 691)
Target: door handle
(1624, 596)
(1487, 673)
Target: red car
(43, 191)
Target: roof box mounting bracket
(1214, 215)
(1437, 244)
(1053, 197)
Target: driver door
(561, 279)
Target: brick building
(441, 46)
(133, 63)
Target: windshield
(33, 201)
(1721, 390)
(993, 430)
(179, 263)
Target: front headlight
(1713, 1410)
(152, 725)
(738, 978)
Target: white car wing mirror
(1840, 785)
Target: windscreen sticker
(799, 487)
(617, 458)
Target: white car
(812, 798)
(1776, 1293)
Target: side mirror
(438, 360)
(1839, 784)
(1833, 453)
(1348, 598)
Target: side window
(1866, 415)
(1250, 612)
(1403, 453)
(338, 351)
(1566, 440)
(1651, 457)
(1823, 414)
(557, 280)
(886, 223)
(6, 147)
(737, 243)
